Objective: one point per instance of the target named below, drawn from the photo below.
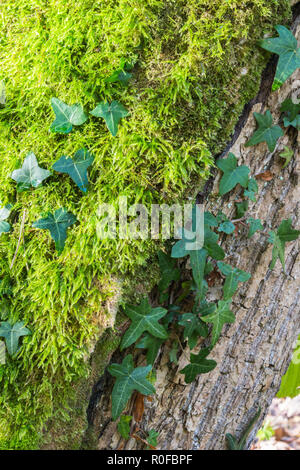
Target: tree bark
(254, 352)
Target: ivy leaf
(169, 272)
(30, 175)
(293, 117)
(287, 154)
(193, 328)
(124, 426)
(4, 214)
(199, 365)
(290, 383)
(266, 132)
(152, 438)
(292, 109)
(144, 318)
(241, 208)
(128, 379)
(284, 234)
(57, 223)
(152, 345)
(251, 190)
(66, 116)
(111, 113)
(76, 167)
(226, 227)
(233, 174)
(218, 318)
(289, 54)
(255, 225)
(12, 333)
(119, 76)
(198, 263)
(233, 277)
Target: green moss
(197, 64)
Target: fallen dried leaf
(265, 176)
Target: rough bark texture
(254, 352)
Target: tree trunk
(254, 352)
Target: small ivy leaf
(169, 272)
(12, 333)
(292, 109)
(152, 438)
(255, 225)
(289, 54)
(199, 365)
(119, 76)
(233, 174)
(76, 167)
(284, 234)
(210, 219)
(2, 94)
(57, 223)
(241, 208)
(144, 318)
(4, 214)
(111, 113)
(218, 318)
(266, 132)
(287, 154)
(124, 426)
(30, 175)
(152, 345)
(233, 277)
(128, 379)
(251, 190)
(193, 328)
(66, 116)
(226, 227)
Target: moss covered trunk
(255, 351)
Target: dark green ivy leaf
(169, 272)
(111, 113)
(266, 132)
(251, 190)
(193, 328)
(124, 426)
(12, 333)
(293, 113)
(4, 214)
(66, 116)
(233, 174)
(284, 234)
(152, 345)
(152, 438)
(30, 175)
(218, 318)
(241, 208)
(144, 318)
(199, 365)
(289, 54)
(233, 277)
(255, 225)
(76, 167)
(57, 223)
(128, 379)
(198, 263)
